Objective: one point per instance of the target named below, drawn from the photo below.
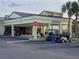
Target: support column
(2, 29)
(49, 27)
(60, 28)
(42, 29)
(12, 30)
(71, 29)
(34, 32)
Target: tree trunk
(76, 27)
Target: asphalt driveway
(38, 50)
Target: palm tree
(75, 10)
(67, 8)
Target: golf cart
(56, 37)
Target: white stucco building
(22, 23)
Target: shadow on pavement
(10, 38)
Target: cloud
(12, 4)
(71, 0)
(36, 6)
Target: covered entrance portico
(26, 26)
(27, 29)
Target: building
(19, 23)
(50, 13)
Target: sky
(30, 6)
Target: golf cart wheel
(63, 41)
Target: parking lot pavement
(38, 50)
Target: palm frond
(63, 8)
(68, 5)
